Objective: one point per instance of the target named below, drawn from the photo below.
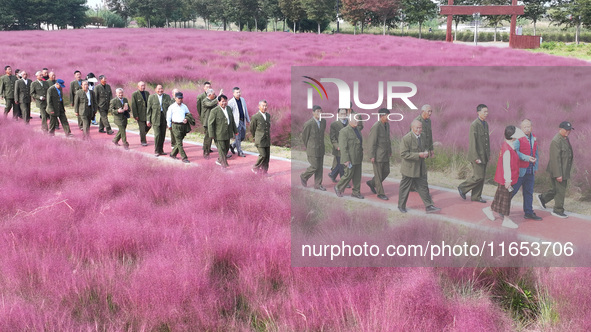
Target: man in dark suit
(560, 164)
(55, 108)
(22, 95)
(380, 151)
(139, 106)
(260, 128)
(76, 85)
(207, 104)
(119, 107)
(7, 91)
(351, 147)
(39, 93)
(85, 107)
(335, 127)
(221, 128)
(156, 116)
(103, 97)
(478, 154)
(413, 168)
(313, 138)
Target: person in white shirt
(241, 118)
(176, 121)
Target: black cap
(383, 111)
(566, 125)
(178, 95)
(316, 107)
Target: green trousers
(381, 172)
(476, 182)
(557, 193)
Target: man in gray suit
(313, 138)
(22, 95)
(39, 93)
(413, 168)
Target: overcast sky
(93, 3)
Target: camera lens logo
(316, 87)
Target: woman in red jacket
(506, 176)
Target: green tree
(496, 20)
(354, 11)
(292, 10)
(272, 11)
(319, 11)
(571, 13)
(535, 10)
(384, 10)
(419, 11)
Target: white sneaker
(509, 223)
(217, 162)
(489, 214)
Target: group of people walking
(517, 162)
(222, 119)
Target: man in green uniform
(221, 127)
(203, 95)
(157, 106)
(76, 85)
(478, 154)
(7, 91)
(313, 138)
(341, 122)
(139, 105)
(427, 134)
(103, 97)
(207, 104)
(119, 107)
(413, 168)
(380, 152)
(260, 128)
(22, 95)
(85, 107)
(39, 93)
(55, 108)
(559, 167)
(351, 147)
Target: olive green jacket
(260, 128)
(335, 128)
(7, 86)
(479, 142)
(103, 96)
(114, 106)
(154, 113)
(206, 106)
(351, 146)
(217, 124)
(38, 90)
(561, 158)
(81, 103)
(74, 86)
(200, 99)
(426, 134)
(380, 144)
(313, 137)
(139, 107)
(55, 106)
(22, 91)
(412, 165)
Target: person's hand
(423, 154)
(16, 102)
(507, 185)
(347, 163)
(120, 110)
(136, 118)
(373, 160)
(431, 153)
(478, 161)
(76, 114)
(148, 124)
(185, 121)
(338, 149)
(559, 179)
(532, 159)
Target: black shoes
(559, 214)
(321, 188)
(532, 216)
(403, 210)
(144, 144)
(304, 182)
(541, 201)
(186, 161)
(110, 132)
(432, 209)
(372, 187)
(480, 201)
(232, 149)
(338, 192)
(461, 193)
(333, 178)
(102, 131)
(383, 197)
(357, 196)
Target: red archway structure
(513, 10)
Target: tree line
(32, 14)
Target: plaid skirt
(502, 201)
